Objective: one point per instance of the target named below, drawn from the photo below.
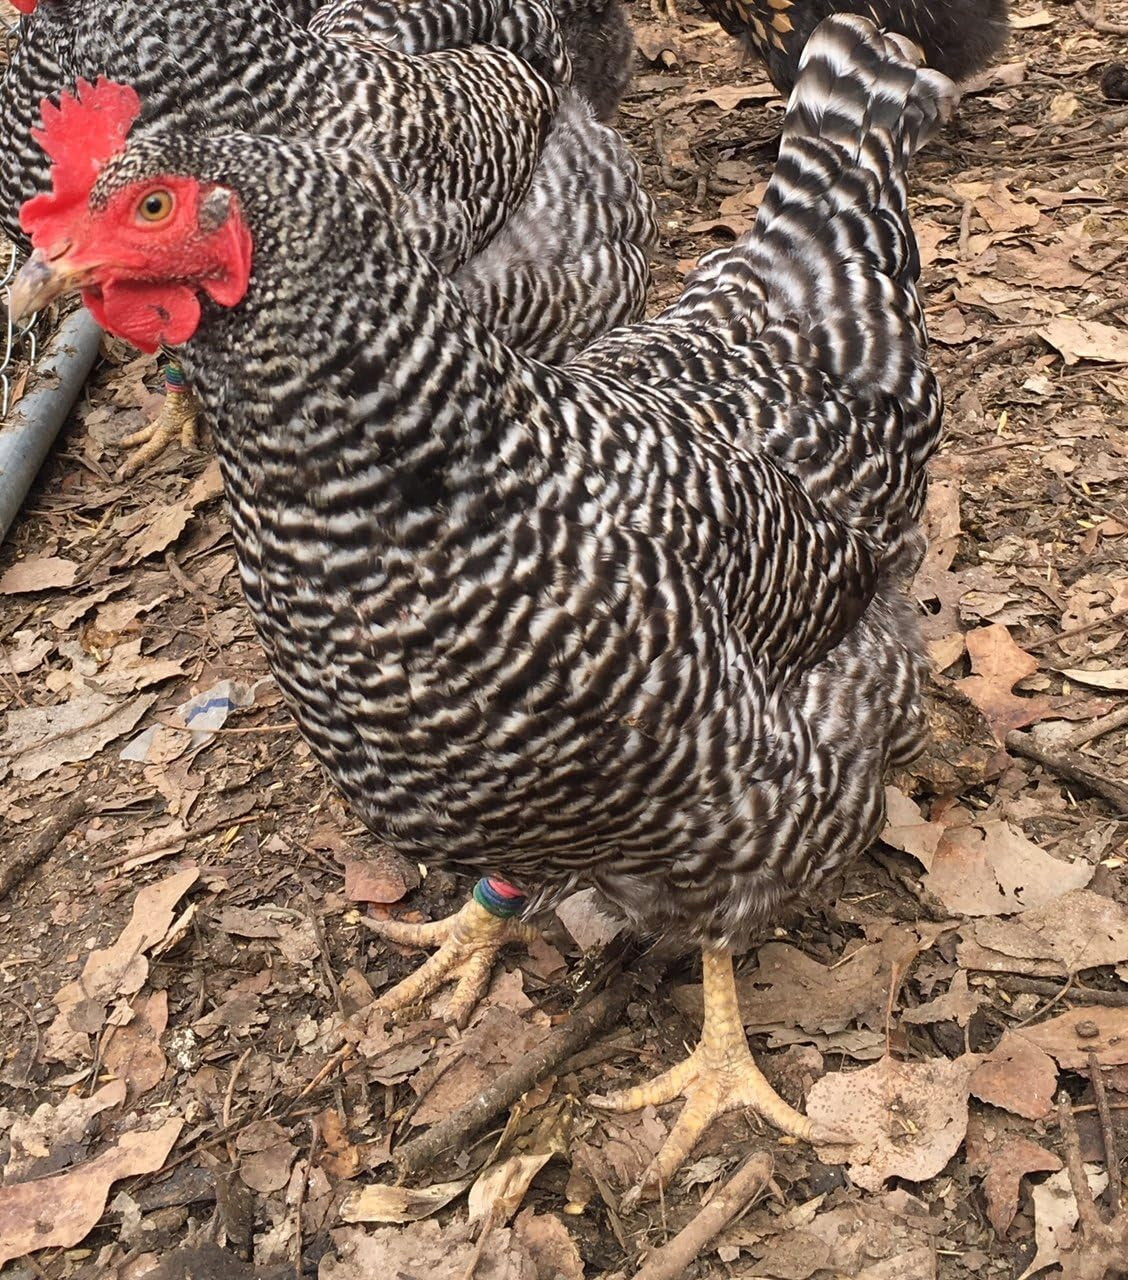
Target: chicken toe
(719, 1076)
(176, 420)
(468, 943)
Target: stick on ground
(672, 1261)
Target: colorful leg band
(499, 898)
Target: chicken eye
(156, 206)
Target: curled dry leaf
(266, 1155)
(381, 1202)
(52, 1137)
(133, 1052)
(906, 1119)
(957, 1004)
(58, 1212)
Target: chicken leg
(719, 1076)
(468, 943)
(177, 418)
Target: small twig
(673, 1260)
(1098, 729)
(1042, 987)
(1108, 1134)
(17, 867)
(27, 1013)
(1016, 342)
(561, 1044)
(323, 948)
(1075, 631)
(1071, 770)
(1086, 1209)
(303, 1187)
(228, 1099)
(1050, 1004)
(1095, 18)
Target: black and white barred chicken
(637, 622)
(957, 37)
(504, 177)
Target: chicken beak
(43, 278)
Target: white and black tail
(832, 254)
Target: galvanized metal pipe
(34, 421)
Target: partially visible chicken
(638, 622)
(485, 135)
(957, 37)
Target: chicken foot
(177, 419)
(468, 943)
(719, 1076)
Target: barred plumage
(476, 137)
(957, 37)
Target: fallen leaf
(380, 1202)
(60, 1211)
(1017, 1076)
(1055, 1215)
(119, 969)
(500, 1188)
(1086, 340)
(425, 1249)
(339, 1157)
(265, 1156)
(998, 665)
(957, 1004)
(1010, 1162)
(38, 740)
(133, 1052)
(589, 924)
(992, 869)
(550, 1246)
(906, 1119)
(53, 1137)
(1114, 680)
(1081, 930)
(38, 573)
(1072, 1036)
(730, 96)
(384, 877)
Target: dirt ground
(182, 910)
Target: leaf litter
(956, 966)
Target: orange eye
(155, 206)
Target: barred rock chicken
(957, 37)
(505, 179)
(637, 622)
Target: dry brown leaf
(339, 1156)
(381, 1202)
(1017, 1076)
(384, 877)
(1055, 1215)
(1086, 340)
(998, 665)
(1072, 1036)
(992, 869)
(589, 924)
(38, 740)
(59, 1212)
(133, 1052)
(1081, 930)
(1114, 679)
(957, 1004)
(53, 1137)
(730, 96)
(38, 573)
(998, 207)
(266, 1155)
(426, 1249)
(906, 1119)
(1010, 1162)
(549, 1244)
(117, 970)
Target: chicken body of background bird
(638, 622)
(503, 176)
(957, 37)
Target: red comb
(25, 6)
(79, 135)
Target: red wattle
(148, 315)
